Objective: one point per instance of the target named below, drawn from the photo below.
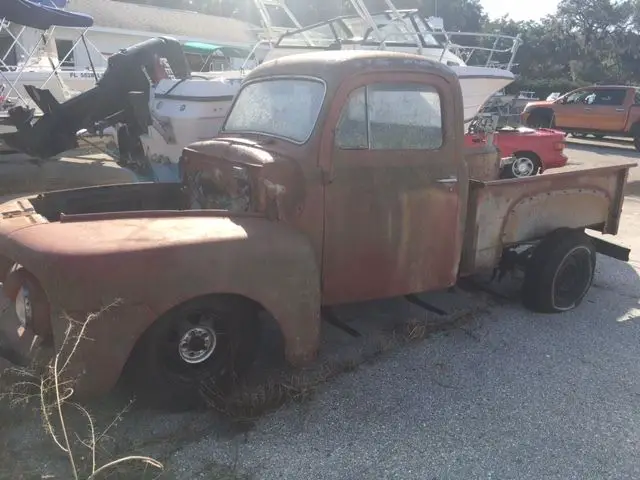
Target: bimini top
(42, 14)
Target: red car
(526, 151)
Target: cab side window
(404, 117)
(579, 97)
(391, 117)
(610, 97)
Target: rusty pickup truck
(599, 110)
(338, 177)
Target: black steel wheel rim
(190, 332)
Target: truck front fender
(143, 267)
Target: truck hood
(245, 175)
(538, 103)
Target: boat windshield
(353, 28)
(321, 35)
(279, 107)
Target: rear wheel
(525, 164)
(200, 346)
(560, 272)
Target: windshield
(285, 107)
(399, 31)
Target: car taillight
(558, 146)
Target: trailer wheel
(196, 349)
(560, 272)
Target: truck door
(570, 111)
(397, 180)
(607, 110)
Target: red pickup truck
(528, 151)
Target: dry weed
(56, 407)
(248, 402)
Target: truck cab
(337, 177)
(364, 156)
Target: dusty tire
(559, 272)
(203, 345)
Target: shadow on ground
(614, 147)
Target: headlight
(23, 307)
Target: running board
(611, 249)
(427, 306)
(331, 318)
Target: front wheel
(560, 272)
(201, 345)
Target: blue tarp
(41, 14)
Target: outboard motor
(120, 96)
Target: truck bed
(510, 212)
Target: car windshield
(284, 107)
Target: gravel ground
(507, 395)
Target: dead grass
(250, 401)
(68, 424)
(73, 431)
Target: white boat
(185, 111)
(190, 107)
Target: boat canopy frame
(46, 16)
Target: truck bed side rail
(511, 212)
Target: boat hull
(478, 84)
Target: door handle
(448, 180)
(587, 109)
(620, 110)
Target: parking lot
(488, 391)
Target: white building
(119, 25)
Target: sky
(519, 9)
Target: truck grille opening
(218, 191)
